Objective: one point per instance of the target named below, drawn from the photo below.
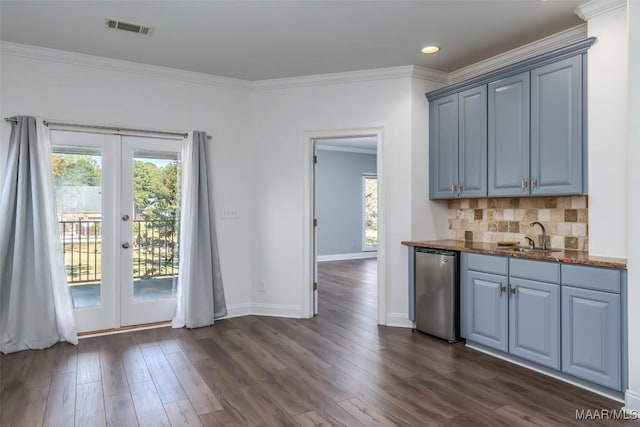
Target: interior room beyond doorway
(346, 195)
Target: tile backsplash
(508, 219)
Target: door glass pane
(155, 224)
(371, 212)
(77, 175)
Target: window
(369, 212)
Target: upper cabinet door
(556, 128)
(472, 142)
(443, 147)
(508, 127)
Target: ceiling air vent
(127, 26)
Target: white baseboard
(632, 402)
(277, 310)
(238, 310)
(261, 309)
(343, 257)
(399, 320)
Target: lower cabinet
(591, 335)
(488, 309)
(513, 315)
(560, 316)
(534, 321)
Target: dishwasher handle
(436, 251)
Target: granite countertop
(566, 256)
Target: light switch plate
(229, 213)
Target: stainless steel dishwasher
(437, 293)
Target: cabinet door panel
(488, 320)
(556, 128)
(591, 336)
(443, 147)
(508, 114)
(472, 146)
(534, 322)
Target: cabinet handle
(512, 290)
(503, 289)
(453, 188)
(534, 183)
(524, 183)
(459, 188)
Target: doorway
(117, 203)
(345, 200)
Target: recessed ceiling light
(430, 49)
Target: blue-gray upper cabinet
(556, 128)
(443, 147)
(458, 145)
(508, 136)
(472, 143)
(535, 129)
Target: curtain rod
(117, 129)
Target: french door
(117, 205)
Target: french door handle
(125, 245)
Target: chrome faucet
(543, 237)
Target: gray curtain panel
(200, 293)
(35, 305)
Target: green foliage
(156, 195)
(75, 170)
(371, 210)
(155, 190)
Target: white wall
(607, 134)
(429, 219)
(339, 200)
(77, 93)
(281, 118)
(633, 394)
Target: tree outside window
(370, 194)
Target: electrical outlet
(261, 287)
(229, 213)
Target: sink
(532, 251)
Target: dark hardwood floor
(338, 369)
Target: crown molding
(351, 77)
(573, 49)
(598, 7)
(424, 73)
(552, 42)
(65, 57)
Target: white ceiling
(356, 144)
(255, 40)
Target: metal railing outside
(155, 249)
